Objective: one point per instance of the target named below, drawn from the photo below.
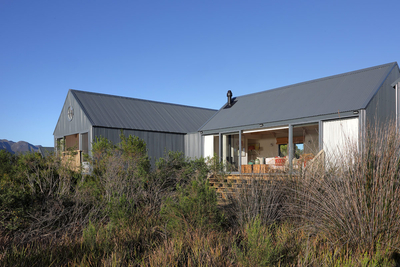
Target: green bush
(38, 197)
(120, 174)
(7, 161)
(175, 169)
(257, 247)
(195, 206)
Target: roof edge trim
(139, 130)
(395, 82)
(81, 106)
(59, 117)
(379, 86)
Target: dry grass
(346, 214)
(258, 198)
(355, 202)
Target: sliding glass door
(230, 151)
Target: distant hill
(18, 147)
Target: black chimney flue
(229, 95)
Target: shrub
(120, 173)
(257, 247)
(134, 151)
(194, 206)
(7, 161)
(38, 199)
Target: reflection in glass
(230, 151)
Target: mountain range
(18, 147)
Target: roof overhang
(279, 124)
(395, 82)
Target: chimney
(229, 95)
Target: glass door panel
(230, 151)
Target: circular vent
(70, 113)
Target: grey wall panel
(79, 124)
(157, 143)
(193, 145)
(382, 107)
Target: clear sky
(186, 52)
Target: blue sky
(185, 52)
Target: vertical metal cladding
(382, 107)
(158, 143)
(339, 137)
(79, 122)
(193, 145)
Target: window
(283, 150)
(298, 150)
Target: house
(272, 127)
(86, 116)
(304, 118)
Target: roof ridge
(321, 79)
(139, 99)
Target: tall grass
(258, 199)
(355, 201)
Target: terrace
(266, 151)
(72, 148)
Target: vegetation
(128, 214)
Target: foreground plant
(355, 202)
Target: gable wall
(79, 124)
(382, 107)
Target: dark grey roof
(395, 82)
(340, 93)
(130, 113)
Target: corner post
(240, 152)
(220, 147)
(363, 129)
(397, 88)
(320, 135)
(80, 148)
(290, 148)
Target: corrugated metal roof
(131, 113)
(395, 82)
(339, 93)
